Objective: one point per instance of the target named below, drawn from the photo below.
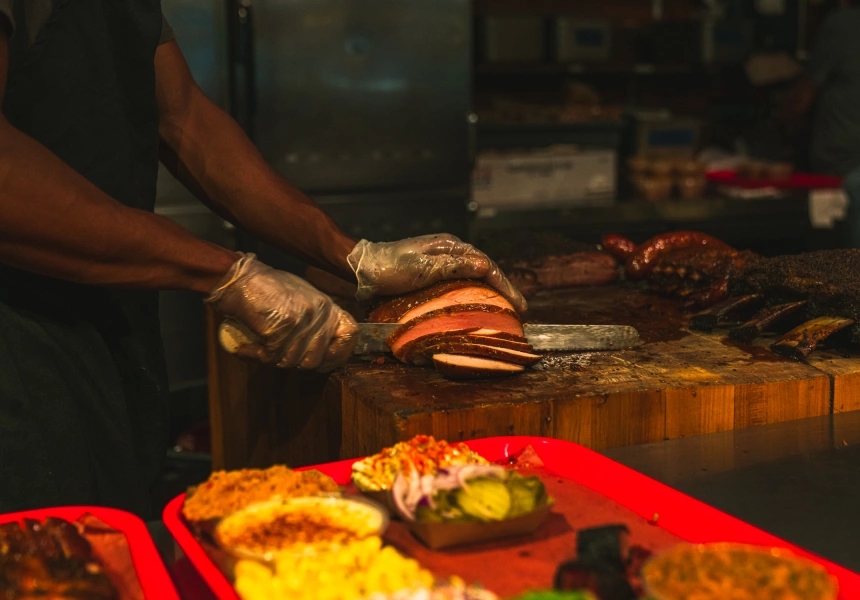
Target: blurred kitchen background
(571, 117)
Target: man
(831, 88)
(93, 93)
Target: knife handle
(233, 335)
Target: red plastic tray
(678, 513)
(151, 572)
(798, 181)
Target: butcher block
(677, 383)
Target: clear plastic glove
(392, 268)
(294, 323)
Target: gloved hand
(297, 325)
(391, 268)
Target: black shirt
(38, 11)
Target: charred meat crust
(464, 296)
(827, 280)
(391, 310)
(460, 308)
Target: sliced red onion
(408, 491)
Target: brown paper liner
(111, 549)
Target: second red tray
(151, 572)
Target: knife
(543, 338)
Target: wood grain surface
(676, 384)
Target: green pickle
(576, 595)
(484, 499)
(527, 494)
(425, 514)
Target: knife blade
(543, 338)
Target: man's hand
(297, 325)
(390, 268)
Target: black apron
(83, 411)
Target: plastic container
(151, 572)
(690, 168)
(654, 189)
(692, 186)
(360, 507)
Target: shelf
(733, 220)
(580, 69)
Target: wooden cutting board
(676, 384)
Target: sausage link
(640, 263)
(618, 246)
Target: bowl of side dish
(727, 570)
(263, 530)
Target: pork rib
(750, 330)
(800, 341)
(711, 317)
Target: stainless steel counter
(797, 480)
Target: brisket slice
(471, 367)
(417, 351)
(393, 310)
(493, 333)
(456, 318)
(468, 295)
(467, 323)
(518, 357)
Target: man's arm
(209, 153)
(55, 222)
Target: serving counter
(678, 383)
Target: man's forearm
(56, 223)
(210, 153)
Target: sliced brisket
(456, 318)
(468, 323)
(472, 367)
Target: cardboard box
(548, 178)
